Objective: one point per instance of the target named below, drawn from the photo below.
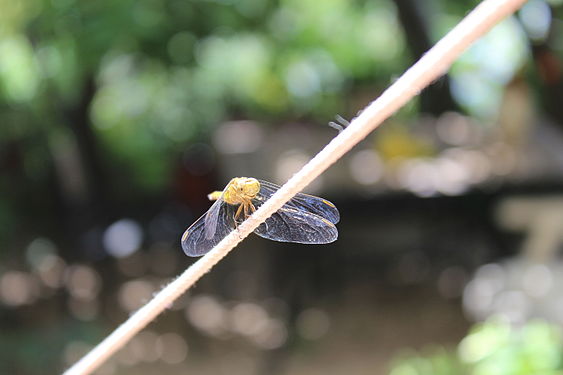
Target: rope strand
(430, 67)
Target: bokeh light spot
(17, 288)
(272, 336)
(248, 318)
(536, 18)
(171, 348)
(133, 294)
(366, 167)
(123, 238)
(238, 137)
(207, 314)
(83, 282)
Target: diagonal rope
(430, 67)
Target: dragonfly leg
(237, 214)
(239, 211)
(246, 210)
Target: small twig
(425, 71)
(340, 124)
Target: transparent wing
(293, 225)
(304, 202)
(197, 240)
(212, 218)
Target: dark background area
(118, 117)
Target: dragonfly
(304, 219)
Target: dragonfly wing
(212, 218)
(304, 202)
(195, 240)
(293, 225)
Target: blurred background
(118, 117)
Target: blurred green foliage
(121, 87)
(493, 348)
(153, 75)
(150, 76)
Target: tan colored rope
(430, 67)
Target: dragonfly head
(241, 189)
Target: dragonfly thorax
(241, 190)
